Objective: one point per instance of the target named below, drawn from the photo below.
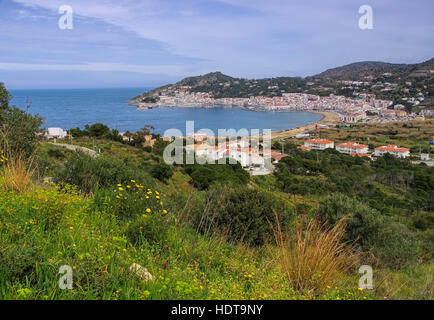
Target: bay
(71, 108)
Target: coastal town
(362, 107)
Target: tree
(98, 130)
(19, 129)
(4, 97)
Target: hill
(358, 70)
(218, 85)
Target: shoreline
(327, 117)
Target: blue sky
(141, 43)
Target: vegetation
(314, 255)
(208, 232)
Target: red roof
(360, 154)
(353, 145)
(322, 141)
(392, 147)
(304, 148)
(278, 156)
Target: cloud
(97, 67)
(249, 38)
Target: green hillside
(207, 232)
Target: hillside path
(72, 147)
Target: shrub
(243, 214)
(134, 200)
(162, 172)
(203, 176)
(19, 130)
(424, 221)
(87, 172)
(392, 242)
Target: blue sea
(77, 107)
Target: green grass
(47, 227)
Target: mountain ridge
(220, 85)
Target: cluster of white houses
(239, 150)
(355, 149)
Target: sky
(147, 43)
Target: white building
(393, 150)
(319, 144)
(302, 135)
(245, 156)
(352, 117)
(425, 157)
(352, 147)
(55, 133)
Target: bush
(424, 221)
(392, 242)
(19, 130)
(243, 214)
(162, 172)
(134, 200)
(203, 176)
(87, 172)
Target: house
(202, 150)
(352, 147)
(304, 148)
(425, 157)
(149, 141)
(400, 113)
(355, 154)
(278, 156)
(200, 136)
(352, 117)
(393, 150)
(302, 135)
(55, 133)
(245, 158)
(319, 144)
(167, 139)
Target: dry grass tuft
(16, 174)
(313, 255)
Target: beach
(328, 118)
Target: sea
(72, 108)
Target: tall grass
(313, 256)
(16, 172)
